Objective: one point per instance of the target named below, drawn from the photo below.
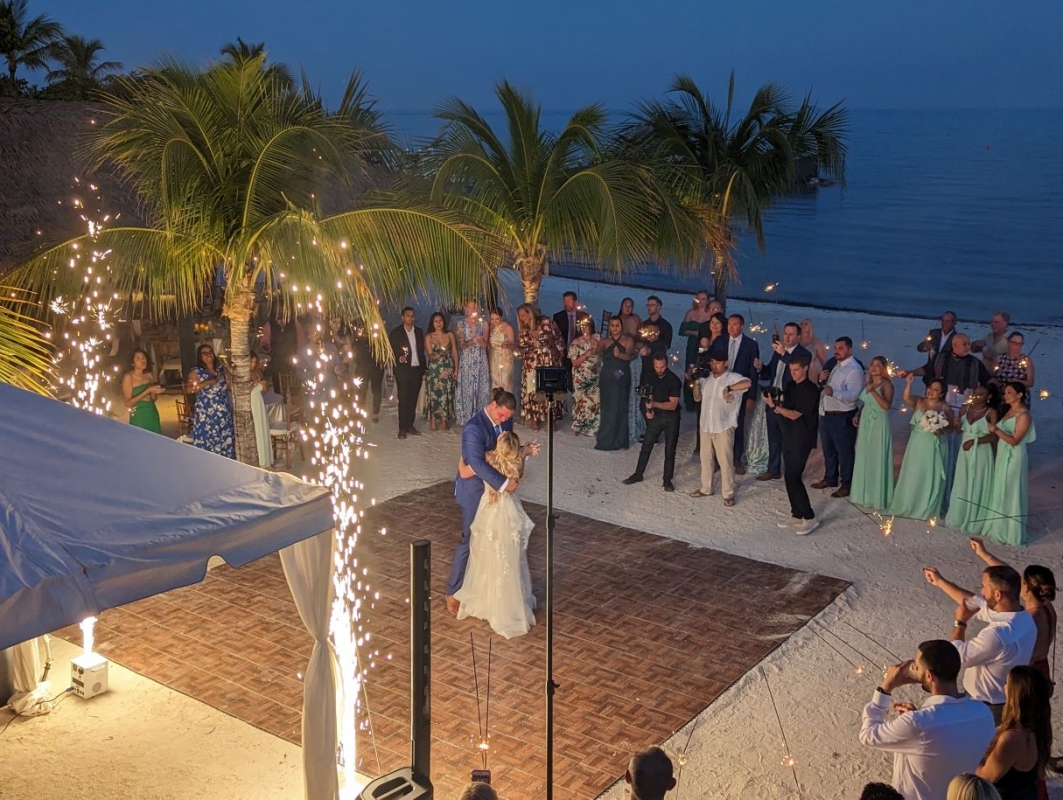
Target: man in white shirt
(932, 744)
(842, 380)
(995, 343)
(1007, 640)
(720, 395)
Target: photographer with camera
(798, 408)
(777, 370)
(660, 394)
(720, 394)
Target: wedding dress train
(497, 585)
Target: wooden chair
(184, 422)
(289, 386)
(288, 434)
(604, 329)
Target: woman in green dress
(873, 471)
(921, 484)
(1006, 516)
(139, 391)
(974, 466)
(441, 349)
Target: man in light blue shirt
(842, 382)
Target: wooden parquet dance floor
(648, 632)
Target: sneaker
(789, 523)
(632, 479)
(805, 527)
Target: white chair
(285, 435)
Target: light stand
(551, 381)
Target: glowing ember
(1043, 394)
(771, 287)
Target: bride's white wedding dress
(497, 585)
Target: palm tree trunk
(719, 277)
(532, 269)
(239, 306)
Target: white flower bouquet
(934, 422)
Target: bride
(497, 585)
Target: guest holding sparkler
(921, 483)
(1014, 365)
(212, 424)
(812, 344)
(474, 373)
(873, 467)
(407, 342)
(691, 325)
(503, 346)
(616, 351)
(974, 467)
(1019, 753)
(586, 401)
(541, 345)
(1038, 593)
(441, 350)
(139, 391)
(1008, 504)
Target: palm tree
(227, 164)
(240, 51)
(25, 355)
(25, 42)
(742, 165)
(79, 69)
(547, 195)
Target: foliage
(24, 41)
(551, 195)
(79, 71)
(25, 355)
(240, 52)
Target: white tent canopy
(95, 514)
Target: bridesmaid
(1008, 503)
(974, 466)
(474, 374)
(139, 391)
(873, 470)
(689, 328)
(617, 351)
(441, 350)
(503, 345)
(541, 345)
(586, 401)
(921, 484)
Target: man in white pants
(720, 395)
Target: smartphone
(481, 776)
(775, 338)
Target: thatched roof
(38, 141)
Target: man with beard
(1007, 640)
(948, 735)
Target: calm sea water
(958, 209)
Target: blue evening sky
(899, 54)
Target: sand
(737, 749)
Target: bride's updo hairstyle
(506, 459)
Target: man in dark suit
(742, 351)
(938, 340)
(478, 438)
(407, 342)
(569, 317)
(777, 371)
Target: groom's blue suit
(478, 438)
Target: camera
(774, 392)
(644, 391)
(701, 370)
(551, 380)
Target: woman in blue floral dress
(474, 373)
(212, 425)
(442, 353)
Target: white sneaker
(789, 523)
(805, 527)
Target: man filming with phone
(777, 370)
(720, 394)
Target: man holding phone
(777, 370)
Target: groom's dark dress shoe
(668, 486)
(632, 479)
(452, 604)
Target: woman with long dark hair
(212, 425)
(921, 484)
(1018, 754)
(139, 391)
(1008, 505)
(441, 350)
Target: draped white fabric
(261, 419)
(308, 568)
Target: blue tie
(498, 430)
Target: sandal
(728, 501)
(699, 493)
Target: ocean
(958, 210)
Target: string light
(771, 287)
(1043, 394)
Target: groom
(478, 438)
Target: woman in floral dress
(1014, 365)
(541, 345)
(586, 404)
(212, 424)
(441, 350)
(474, 373)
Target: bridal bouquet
(934, 422)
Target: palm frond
(25, 355)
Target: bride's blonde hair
(506, 459)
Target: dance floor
(648, 632)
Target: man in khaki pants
(720, 395)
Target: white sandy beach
(146, 741)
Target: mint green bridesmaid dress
(974, 480)
(873, 471)
(921, 484)
(1008, 503)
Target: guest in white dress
(497, 585)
